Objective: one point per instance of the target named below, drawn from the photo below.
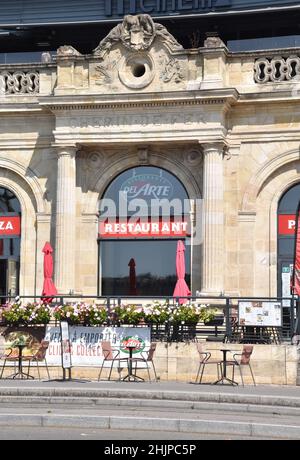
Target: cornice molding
(134, 105)
(125, 101)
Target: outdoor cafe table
(224, 369)
(20, 374)
(130, 376)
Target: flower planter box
(217, 321)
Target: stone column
(213, 219)
(65, 220)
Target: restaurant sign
(10, 226)
(138, 228)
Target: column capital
(66, 150)
(217, 146)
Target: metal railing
(229, 330)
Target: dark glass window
(9, 247)
(286, 242)
(145, 266)
(8, 202)
(155, 272)
(289, 201)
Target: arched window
(10, 239)
(8, 202)
(143, 213)
(287, 208)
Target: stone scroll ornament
(136, 33)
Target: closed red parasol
(48, 286)
(132, 277)
(181, 288)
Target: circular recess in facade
(137, 71)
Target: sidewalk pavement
(268, 412)
(261, 394)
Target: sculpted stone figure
(213, 41)
(67, 50)
(136, 33)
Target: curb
(192, 397)
(144, 403)
(264, 431)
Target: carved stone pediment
(136, 33)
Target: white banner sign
(66, 358)
(86, 347)
(260, 314)
(286, 275)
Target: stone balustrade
(20, 82)
(276, 69)
(247, 70)
(27, 80)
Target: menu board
(258, 313)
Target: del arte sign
(147, 186)
(10, 226)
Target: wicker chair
(38, 357)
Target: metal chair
(204, 360)
(243, 360)
(146, 357)
(8, 355)
(110, 355)
(38, 357)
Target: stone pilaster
(213, 219)
(65, 219)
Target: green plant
(68, 312)
(41, 314)
(29, 313)
(92, 314)
(128, 314)
(157, 312)
(207, 314)
(186, 314)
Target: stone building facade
(227, 125)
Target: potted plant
(211, 316)
(68, 312)
(185, 314)
(128, 314)
(18, 313)
(92, 314)
(157, 313)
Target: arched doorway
(287, 208)
(10, 240)
(143, 213)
